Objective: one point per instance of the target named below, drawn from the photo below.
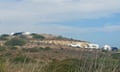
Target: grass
(62, 61)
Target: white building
(94, 46)
(107, 47)
(74, 45)
(79, 45)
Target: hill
(49, 53)
(37, 40)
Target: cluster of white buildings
(75, 44)
(88, 45)
(95, 46)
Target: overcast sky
(96, 21)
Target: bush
(22, 36)
(15, 42)
(4, 37)
(36, 36)
(60, 37)
(47, 48)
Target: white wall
(94, 46)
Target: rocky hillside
(37, 40)
(49, 53)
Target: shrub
(4, 37)
(60, 37)
(36, 36)
(22, 36)
(15, 42)
(47, 48)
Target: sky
(96, 21)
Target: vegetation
(30, 49)
(84, 62)
(4, 37)
(68, 65)
(37, 36)
(2, 65)
(36, 49)
(15, 42)
(16, 57)
(60, 37)
(22, 59)
(116, 56)
(13, 48)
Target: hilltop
(43, 47)
(50, 53)
(37, 40)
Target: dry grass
(56, 60)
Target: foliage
(22, 36)
(15, 42)
(4, 37)
(47, 48)
(37, 36)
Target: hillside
(49, 53)
(38, 40)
